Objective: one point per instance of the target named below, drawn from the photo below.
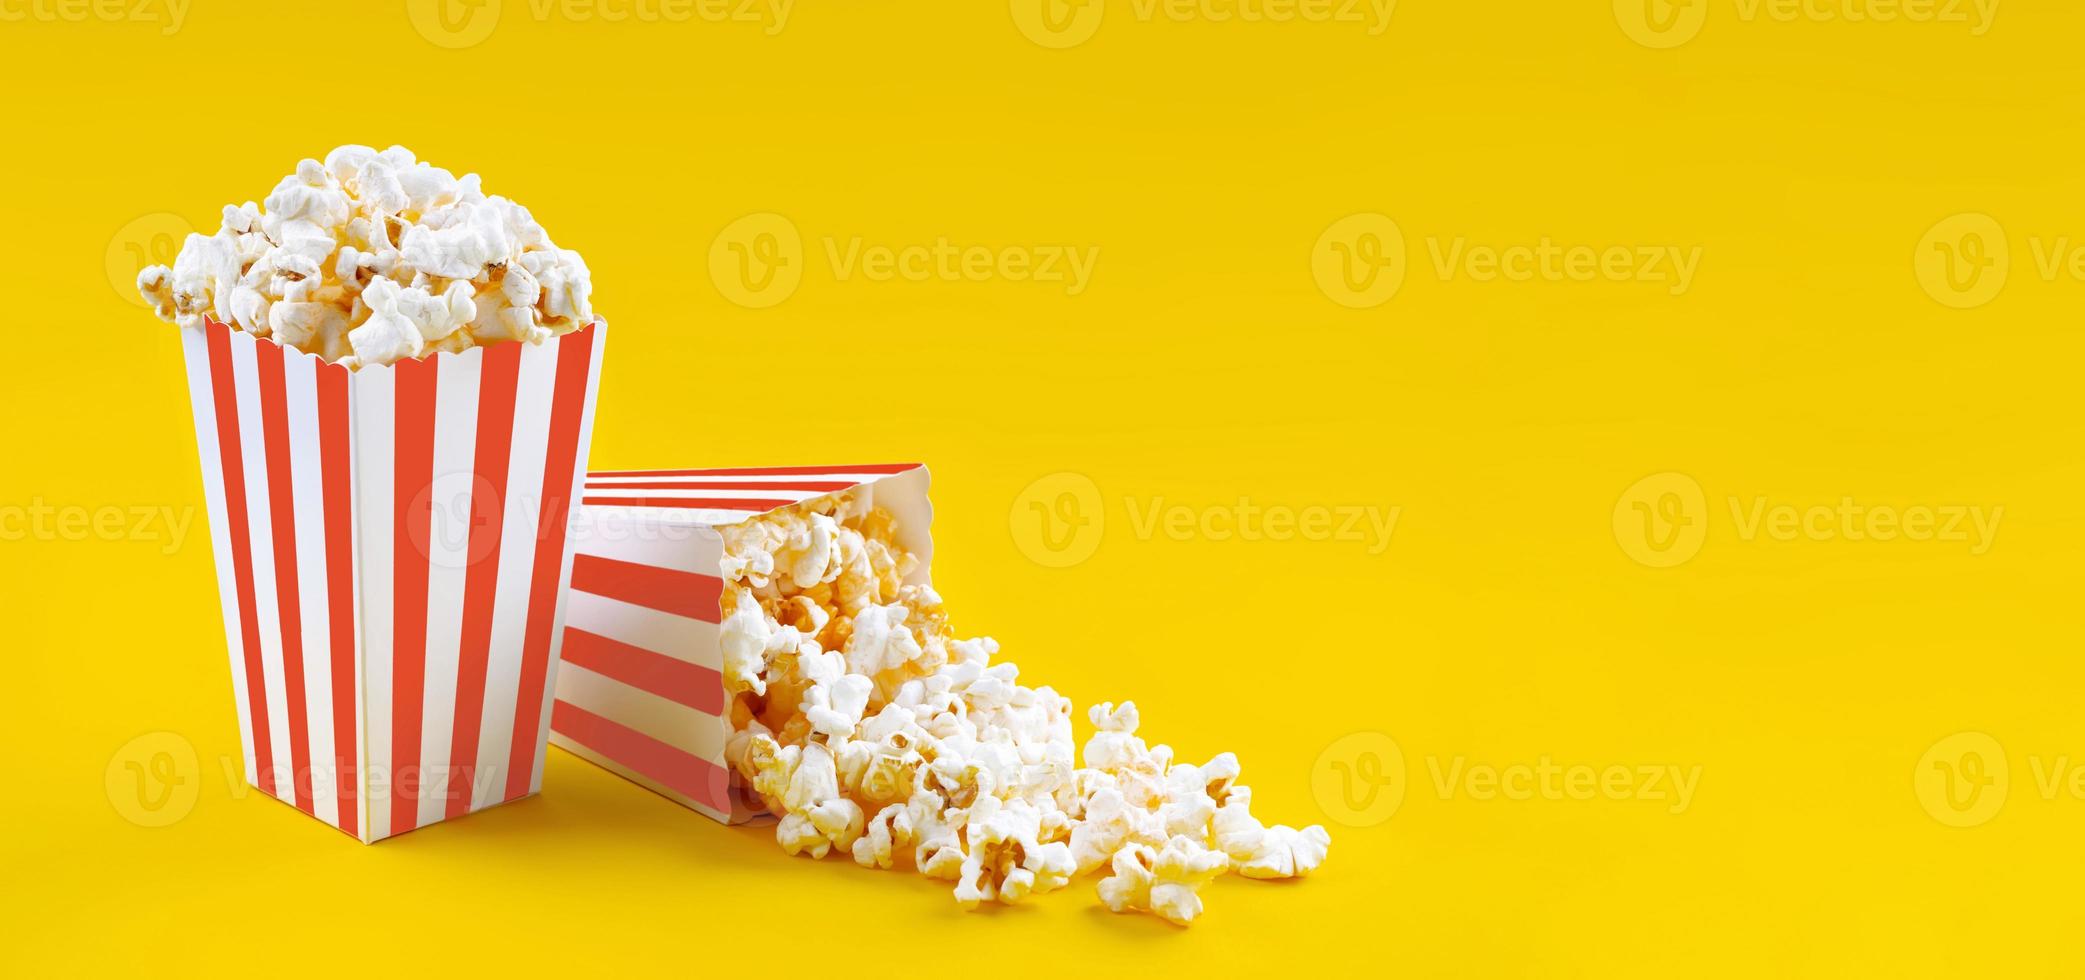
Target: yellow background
(1506, 622)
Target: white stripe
(564, 573)
(307, 489)
(358, 755)
(662, 633)
(621, 482)
(448, 559)
(254, 451)
(646, 538)
(624, 494)
(202, 400)
(535, 381)
(374, 394)
(695, 732)
(705, 476)
(693, 516)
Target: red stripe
(809, 486)
(690, 775)
(224, 394)
(282, 514)
(669, 590)
(671, 678)
(878, 468)
(501, 371)
(413, 479)
(575, 360)
(757, 505)
(334, 477)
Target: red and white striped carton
(392, 548)
(640, 691)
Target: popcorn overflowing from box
(851, 711)
(389, 531)
(373, 258)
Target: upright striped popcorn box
(641, 689)
(392, 552)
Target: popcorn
(375, 257)
(1266, 852)
(1163, 881)
(862, 722)
(1286, 852)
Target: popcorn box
(641, 689)
(392, 549)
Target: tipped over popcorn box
(640, 690)
(766, 642)
(393, 378)
(392, 549)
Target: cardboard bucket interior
(641, 690)
(391, 548)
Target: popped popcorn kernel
(376, 257)
(866, 725)
(1164, 881)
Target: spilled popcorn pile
(865, 725)
(372, 258)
